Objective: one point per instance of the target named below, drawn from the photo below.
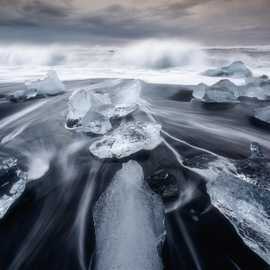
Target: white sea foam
(183, 62)
(159, 54)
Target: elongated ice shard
(128, 219)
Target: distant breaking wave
(160, 61)
(21, 55)
(154, 54)
(160, 54)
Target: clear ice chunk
(117, 101)
(82, 101)
(127, 139)
(223, 91)
(12, 184)
(127, 93)
(236, 69)
(96, 123)
(248, 209)
(50, 85)
(129, 223)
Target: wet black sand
(51, 227)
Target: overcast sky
(211, 22)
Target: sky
(210, 22)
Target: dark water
(51, 225)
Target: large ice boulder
(80, 102)
(247, 207)
(127, 139)
(129, 223)
(223, 91)
(236, 69)
(263, 114)
(12, 183)
(118, 101)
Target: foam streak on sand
(16, 116)
(13, 134)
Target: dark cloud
(208, 21)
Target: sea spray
(160, 54)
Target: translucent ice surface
(236, 69)
(128, 220)
(115, 101)
(96, 123)
(247, 207)
(127, 139)
(223, 91)
(82, 101)
(50, 85)
(263, 114)
(12, 184)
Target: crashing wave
(129, 223)
(127, 139)
(236, 69)
(12, 184)
(161, 54)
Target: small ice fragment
(50, 85)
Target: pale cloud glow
(83, 21)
